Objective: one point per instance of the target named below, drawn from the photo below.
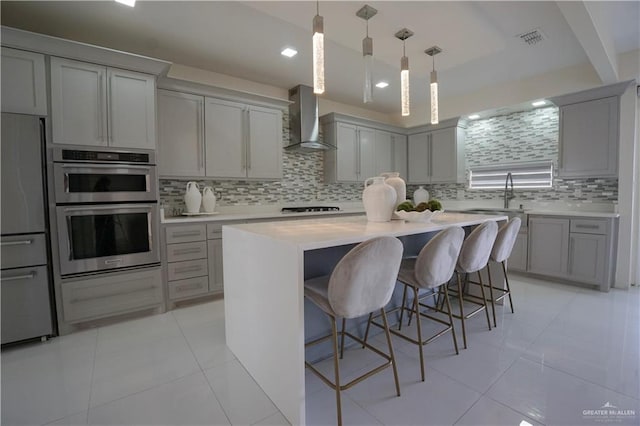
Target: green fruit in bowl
(434, 205)
(422, 207)
(406, 206)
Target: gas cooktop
(307, 209)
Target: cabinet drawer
(214, 230)
(589, 226)
(188, 287)
(188, 269)
(23, 250)
(186, 234)
(186, 251)
(92, 298)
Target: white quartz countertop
(573, 213)
(218, 217)
(329, 232)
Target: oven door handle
(114, 166)
(111, 207)
(69, 238)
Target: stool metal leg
(366, 332)
(416, 304)
(464, 331)
(453, 329)
(344, 321)
(493, 301)
(484, 299)
(404, 301)
(391, 354)
(506, 280)
(336, 367)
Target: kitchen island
(265, 265)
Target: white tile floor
(564, 351)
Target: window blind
(525, 176)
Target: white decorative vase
(420, 195)
(192, 197)
(379, 199)
(396, 182)
(208, 199)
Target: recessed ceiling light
(289, 52)
(130, 3)
(474, 117)
(382, 84)
(539, 103)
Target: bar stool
(433, 267)
(474, 256)
(362, 282)
(501, 251)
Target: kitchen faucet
(508, 196)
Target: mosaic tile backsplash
(517, 137)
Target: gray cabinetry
(24, 89)
(548, 246)
(576, 249)
(436, 156)
(518, 259)
(589, 138)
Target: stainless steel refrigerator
(24, 275)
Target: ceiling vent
(532, 37)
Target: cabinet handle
(188, 269)
(186, 234)
(30, 276)
(187, 251)
(587, 226)
(16, 243)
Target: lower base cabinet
(518, 259)
(581, 250)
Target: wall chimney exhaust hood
(303, 120)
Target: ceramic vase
(396, 182)
(420, 195)
(208, 199)
(192, 197)
(379, 199)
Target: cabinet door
(367, 153)
(180, 134)
(132, 113)
(347, 153)
(549, 246)
(589, 138)
(224, 138)
(215, 265)
(400, 154)
(444, 156)
(264, 156)
(384, 153)
(78, 103)
(419, 158)
(518, 259)
(24, 89)
(587, 254)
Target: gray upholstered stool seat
(362, 282)
(474, 256)
(433, 267)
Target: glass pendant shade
(318, 55)
(404, 86)
(434, 98)
(367, 58)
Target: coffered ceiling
(244, 39)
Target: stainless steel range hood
(303, 120)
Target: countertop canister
(379, 199)
(192, 197)
(420, 195)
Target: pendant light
(433, 51)
(404, 34)
(318, 52)
(367, 12)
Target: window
(525, 176)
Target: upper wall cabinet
(590, 131)
(436, 156)
(180, 134)
(24, 89)
(100, 106)
(362, 151)
(588, 145)
(242, 141)
(202, 136)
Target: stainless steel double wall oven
(106, 209)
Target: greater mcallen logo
(608, 413)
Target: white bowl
(424, 216)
